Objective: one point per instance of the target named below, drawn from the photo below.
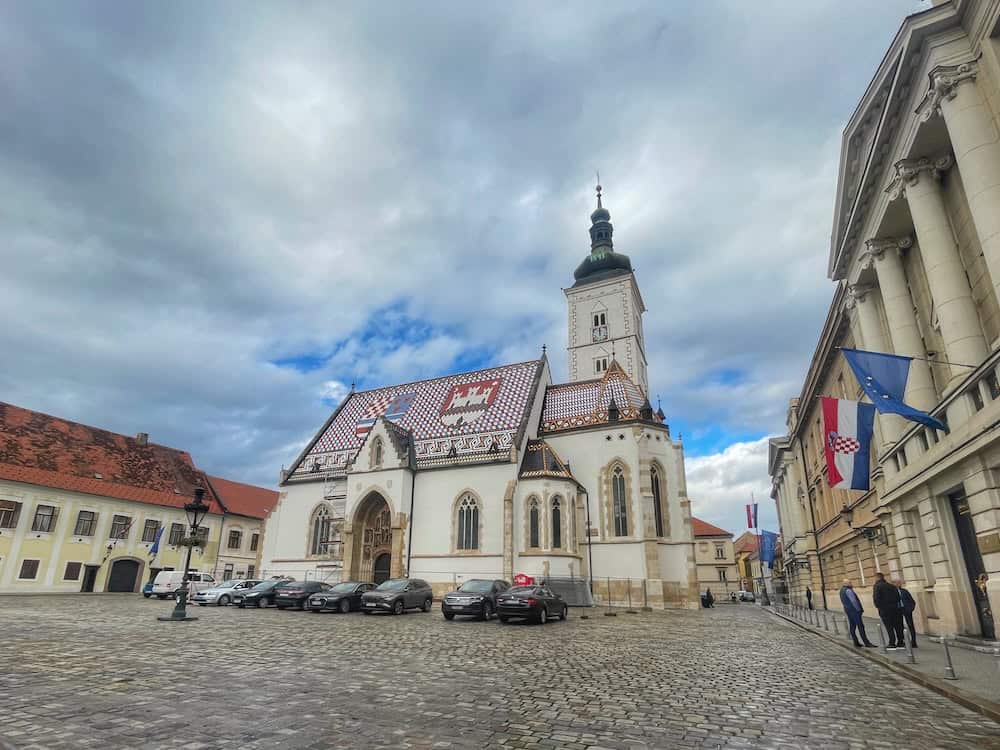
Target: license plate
(370, 604)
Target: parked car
(147, 589)
(168, 582)
(476, 597)
(296, 593)
(222, 594)
(398, 595)
(537, 603)
(260, 595)
(344, 597)
(746, 596)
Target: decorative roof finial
(352, 386)
(543, 350)
(599, 189)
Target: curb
(982, 706)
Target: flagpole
(760, 561)
(907, 356)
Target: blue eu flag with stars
(883, 378)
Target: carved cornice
(877, 246)
(859, 292)
(909, 171)
(944, 79)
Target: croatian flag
(751, 515)
(847, 437)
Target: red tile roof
(586, 402)
(244, 499)
(704, 528)
(37, 448)
(746, 542)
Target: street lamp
(196, 512)
(868, 532)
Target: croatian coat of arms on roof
(467, 402)
(393, 408)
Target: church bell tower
(605, 309)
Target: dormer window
(599, 331)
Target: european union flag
(883, 378)
(768, 543)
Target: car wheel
(503, 620)
(302, 605)
(257, 603)
(146, 596)
(565, 613)
(224, 600)
(428, 603)
(543, 616)
(449, 615)
(397, 607)
(365, 611)
(345, 606)
(487, 610)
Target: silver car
(222, 594)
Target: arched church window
(654, 476)
(533, 523)
(556, 523)
(468, 523)
(619, 509)
(322, 523)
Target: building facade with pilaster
(915, 256)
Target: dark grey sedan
(535, 603)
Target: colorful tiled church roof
(467, 417)
(244, 499)
(37, 448)
(541, 460)
(704, 528)
(585, 403)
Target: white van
(168, 582)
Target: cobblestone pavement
(81, 672)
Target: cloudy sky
(214, 217)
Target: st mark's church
(502, 471)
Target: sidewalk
(978, 675)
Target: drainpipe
(409, 542)
(590, 551)
(812, 518)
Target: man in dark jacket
(909, 604)
(809, 597)
(885, 596)
(853, 609)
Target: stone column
(974, 138)
(903, 330)
(919, 181)
(873, 340)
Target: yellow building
(81, 509)
(715, 559)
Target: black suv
(398, 595)
(477, 597)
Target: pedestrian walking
(885, 596)
(909, 604)
(809, 597)
(853, 609)
(709, 599)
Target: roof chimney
(142, 438)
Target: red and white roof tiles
(585, 403)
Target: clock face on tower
(599, 333)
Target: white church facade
(501, 471)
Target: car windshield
(395, 584)
(226, 585)
(343, 588)
(267, 585)
(521, 590)
(476, 587)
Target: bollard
(835, 630)
(826, 622)
(609, 613)
(881, 640)
(630, 610)
(910, 659)
(645, 598)
(949, 670)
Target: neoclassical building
(501, 471)
(915, 255)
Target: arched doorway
(380, 570)
(372, 532)
(124, 574)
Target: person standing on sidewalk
(885, 596)
(909, 604)
(809, 597)
(853, 609)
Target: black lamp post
(868, 532)
(196, 512)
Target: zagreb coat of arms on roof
(468, 402)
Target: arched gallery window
(619, 502)
(533, 523)
(468, 523)
(321, 527)
(556, 523)
(657, 505)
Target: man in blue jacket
(906, 599)
(853, 609)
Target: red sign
(523, 580)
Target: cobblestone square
(100, 672)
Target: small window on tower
(599, 332)
(600, 365)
